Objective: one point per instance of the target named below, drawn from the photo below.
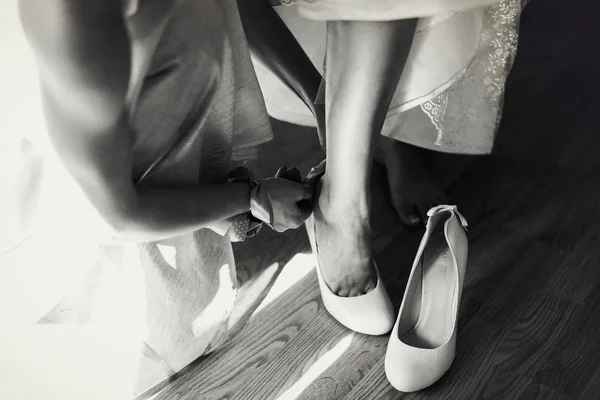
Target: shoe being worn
(422, 345)
(371, 313)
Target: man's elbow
(125, 224)
(122, 228)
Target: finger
(295, 222)
(291, 220)
(299, 192)
(281, 172)
(304, 215)
(307, 192)
(295, 175)
(312, 181)
(316, 171)
(279, 227)
(301, 216)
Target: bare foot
(344, 246)
(412, 189)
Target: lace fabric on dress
(467, 115)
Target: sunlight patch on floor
(219, 307)
(320, 366)
(169, 254)
(293, 272)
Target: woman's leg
(364, 64)
(413, 191)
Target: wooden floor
(530, 317)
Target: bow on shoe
(453, 209)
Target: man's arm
(83, 53)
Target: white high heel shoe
(371, 313)
(423, 342)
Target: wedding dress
(451, 92)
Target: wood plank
(229, 370)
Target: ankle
(343, 205)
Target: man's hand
(276, 202)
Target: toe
(423, 207)
(343, 292)
(370, 286)
(406, 213)
(413, 220)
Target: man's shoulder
(54, 22)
